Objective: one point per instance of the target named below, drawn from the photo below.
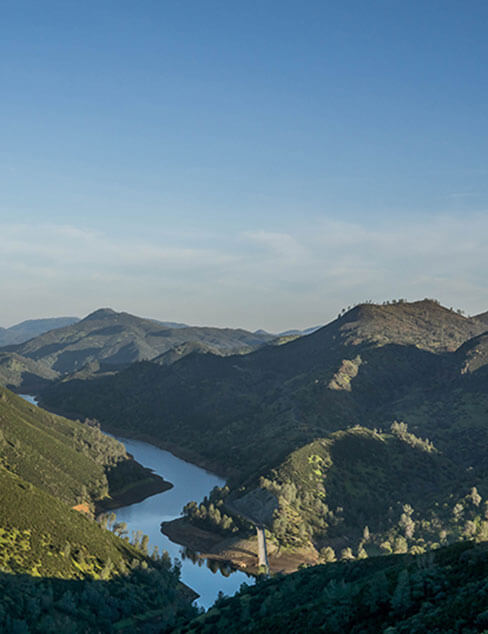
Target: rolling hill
(113, 341)
(75, 463)
(253, 416)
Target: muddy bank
(241, 553)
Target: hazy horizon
(254, 165)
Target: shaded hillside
(444, 591)
(262, 405)
(473, 355)
(252, 415)
(114, 340)
(32, 328)
(17, 371)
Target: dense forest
(442, 591)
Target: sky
(256, 164)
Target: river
(190, 483)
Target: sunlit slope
(59, 569)
(73, 462)
(41, 535)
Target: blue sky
(256, 164)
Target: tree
(328, 555)
(474, 496)
(120, 529)
(346, 554)
(401, 599)
(400, 545)
(406, 522)
(145, 544)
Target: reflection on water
(29, 398)
(206, 577)
(214, 565)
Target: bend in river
(190, 483)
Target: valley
(341, 430)
(362, 441)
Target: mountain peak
(101, 313)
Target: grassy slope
(61, 572)
(36, 527)
(74, 462)
(47, 464)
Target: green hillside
(269, 415)
(443, 591)
(73, 462)
(60, 571)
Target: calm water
(190, 483)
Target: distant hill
(16, 370)
(32, 328)
(289, 393)
(112, 340)
(250, 416)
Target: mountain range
(32, 328)
(365, 437)
(106, 341)
(383, 408)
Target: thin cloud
(259, 278)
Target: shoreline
(183, 454)
(133, 494)
(241, 553)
